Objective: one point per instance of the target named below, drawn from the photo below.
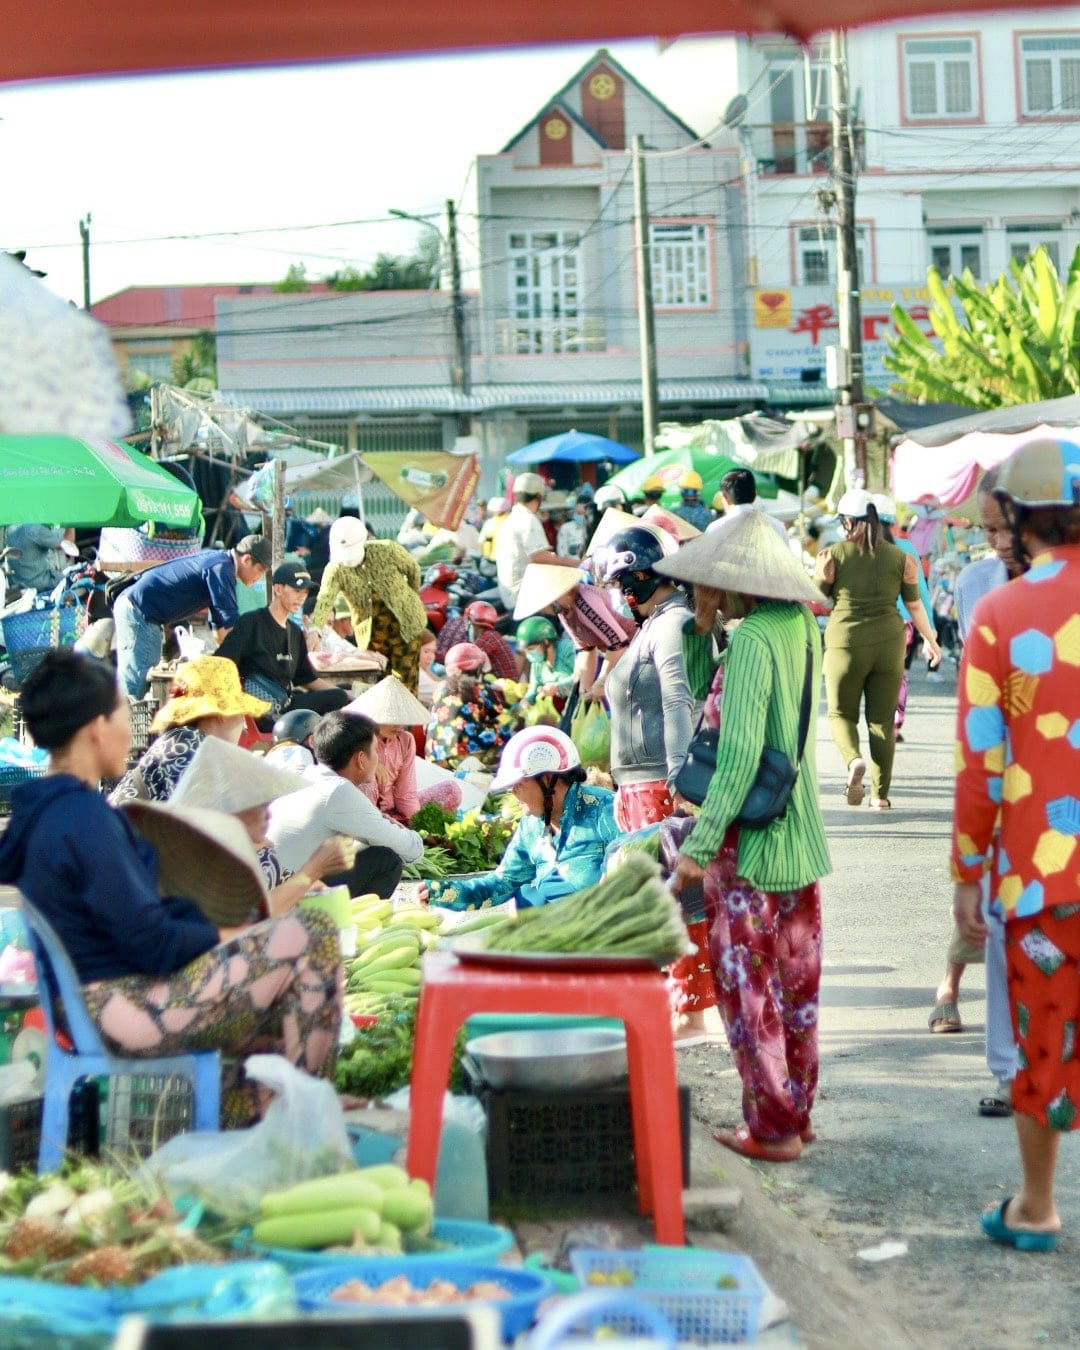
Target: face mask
(534, 655)
(638, 589)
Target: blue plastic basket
(30, 633)
(526, 1289)
(477, 1243)
(683, 1283)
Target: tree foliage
(1015, 341)
(417, 271)
(196, 369)
(295, 279)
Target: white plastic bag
(302, 1135)
(190, 645)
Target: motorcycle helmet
(653, 487)
(1042, 473)
(690, 482)
(465, 656)
(854, 504)
(440, 576)
(533, 753)
(610, 495)
(535, 629)
(481, 615)
(632, 550)
(297, 726)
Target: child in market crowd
(551, 672)
(393, 709)
(429, 683)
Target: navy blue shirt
(176, 590)
(81, 864)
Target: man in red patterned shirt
(1016, 814)
(477, 625)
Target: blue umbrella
(573, 447)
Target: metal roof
(490, 397)
(795, 394)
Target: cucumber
(343, 1190)
(322, 1228)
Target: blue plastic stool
(90, 1059)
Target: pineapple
(41, 1238)
(103, 1265)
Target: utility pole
(852, 417)
(84, 234)
(463, 378)
(650, 396)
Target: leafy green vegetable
(378, 1060)
(432, 819)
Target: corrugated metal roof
(484, 398)
(795, 394)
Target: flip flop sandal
(741, 1141)
(1023, 1239)
(945, 1018)
(995, 1106)
(854, 792)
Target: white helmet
(609, 495)
(854, 503)
(348, 541)
(885, 506)
(534, 751)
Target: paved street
(902, 1153)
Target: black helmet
(296, 726)
(631, 550)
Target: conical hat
(390, 704)
(670, 523)
(746, 558)
(222, 777)
(542, 585)
(614, 521)
(204, 856)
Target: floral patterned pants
(277, 988)
(690, 979)
(766, 954)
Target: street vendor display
(158, 976)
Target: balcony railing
(799, 147)
(530, 337)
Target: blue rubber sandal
(995, 1227)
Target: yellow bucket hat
(209, 686)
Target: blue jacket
(538, 868)
(81, 864)
(176, 590)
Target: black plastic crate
(548, 1145)
(142, 1111)
(20, 1128)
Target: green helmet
(536, 629)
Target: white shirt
(737, 509)
(521, 536)
(331, 805)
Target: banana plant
(1014, 340)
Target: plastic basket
(526, 1288)
(144, 1110)
(119, 545)
(29, 634)
(473, 1242)
(682, 1283)
(20, 1128)
(11, 775)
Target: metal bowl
(550, 1060)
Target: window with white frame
(681, 275)
(1023, 240)
(800, 108)
(954, 250)
(545, 291)
(940, 78)
(817, 254)
(1051, 73)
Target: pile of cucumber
(384, 975)
(376, 1208)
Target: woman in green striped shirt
(765, 930)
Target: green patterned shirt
(763, 683)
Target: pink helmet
(465, 656)
(534, 751)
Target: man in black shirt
(270, 651)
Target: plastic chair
(451, 992)
(89, 1058)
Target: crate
(11, 776)
(551, 1145)
(709, 1298)
(20, 1128)
(142, 1111)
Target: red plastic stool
(451, 992)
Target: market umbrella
(946, 460)
(670, 465)
(59, 480)
(573, 447)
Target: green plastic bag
(591, 733)
(542, 711)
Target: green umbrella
(670, 465)
(58, 480)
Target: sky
(233, 176)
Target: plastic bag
(302, 1135)
(543, 711)
(591, 733)
(190, 645)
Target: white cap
(854, 503)
(529, 485)
(348, 541)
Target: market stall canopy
(573, 447)
(757, 440)
(70, 37)
(58, 480)
(947, 459)
(912, 416)
(669, 466)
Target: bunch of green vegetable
(476, 843)
(629, 912)
(378, 1061)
